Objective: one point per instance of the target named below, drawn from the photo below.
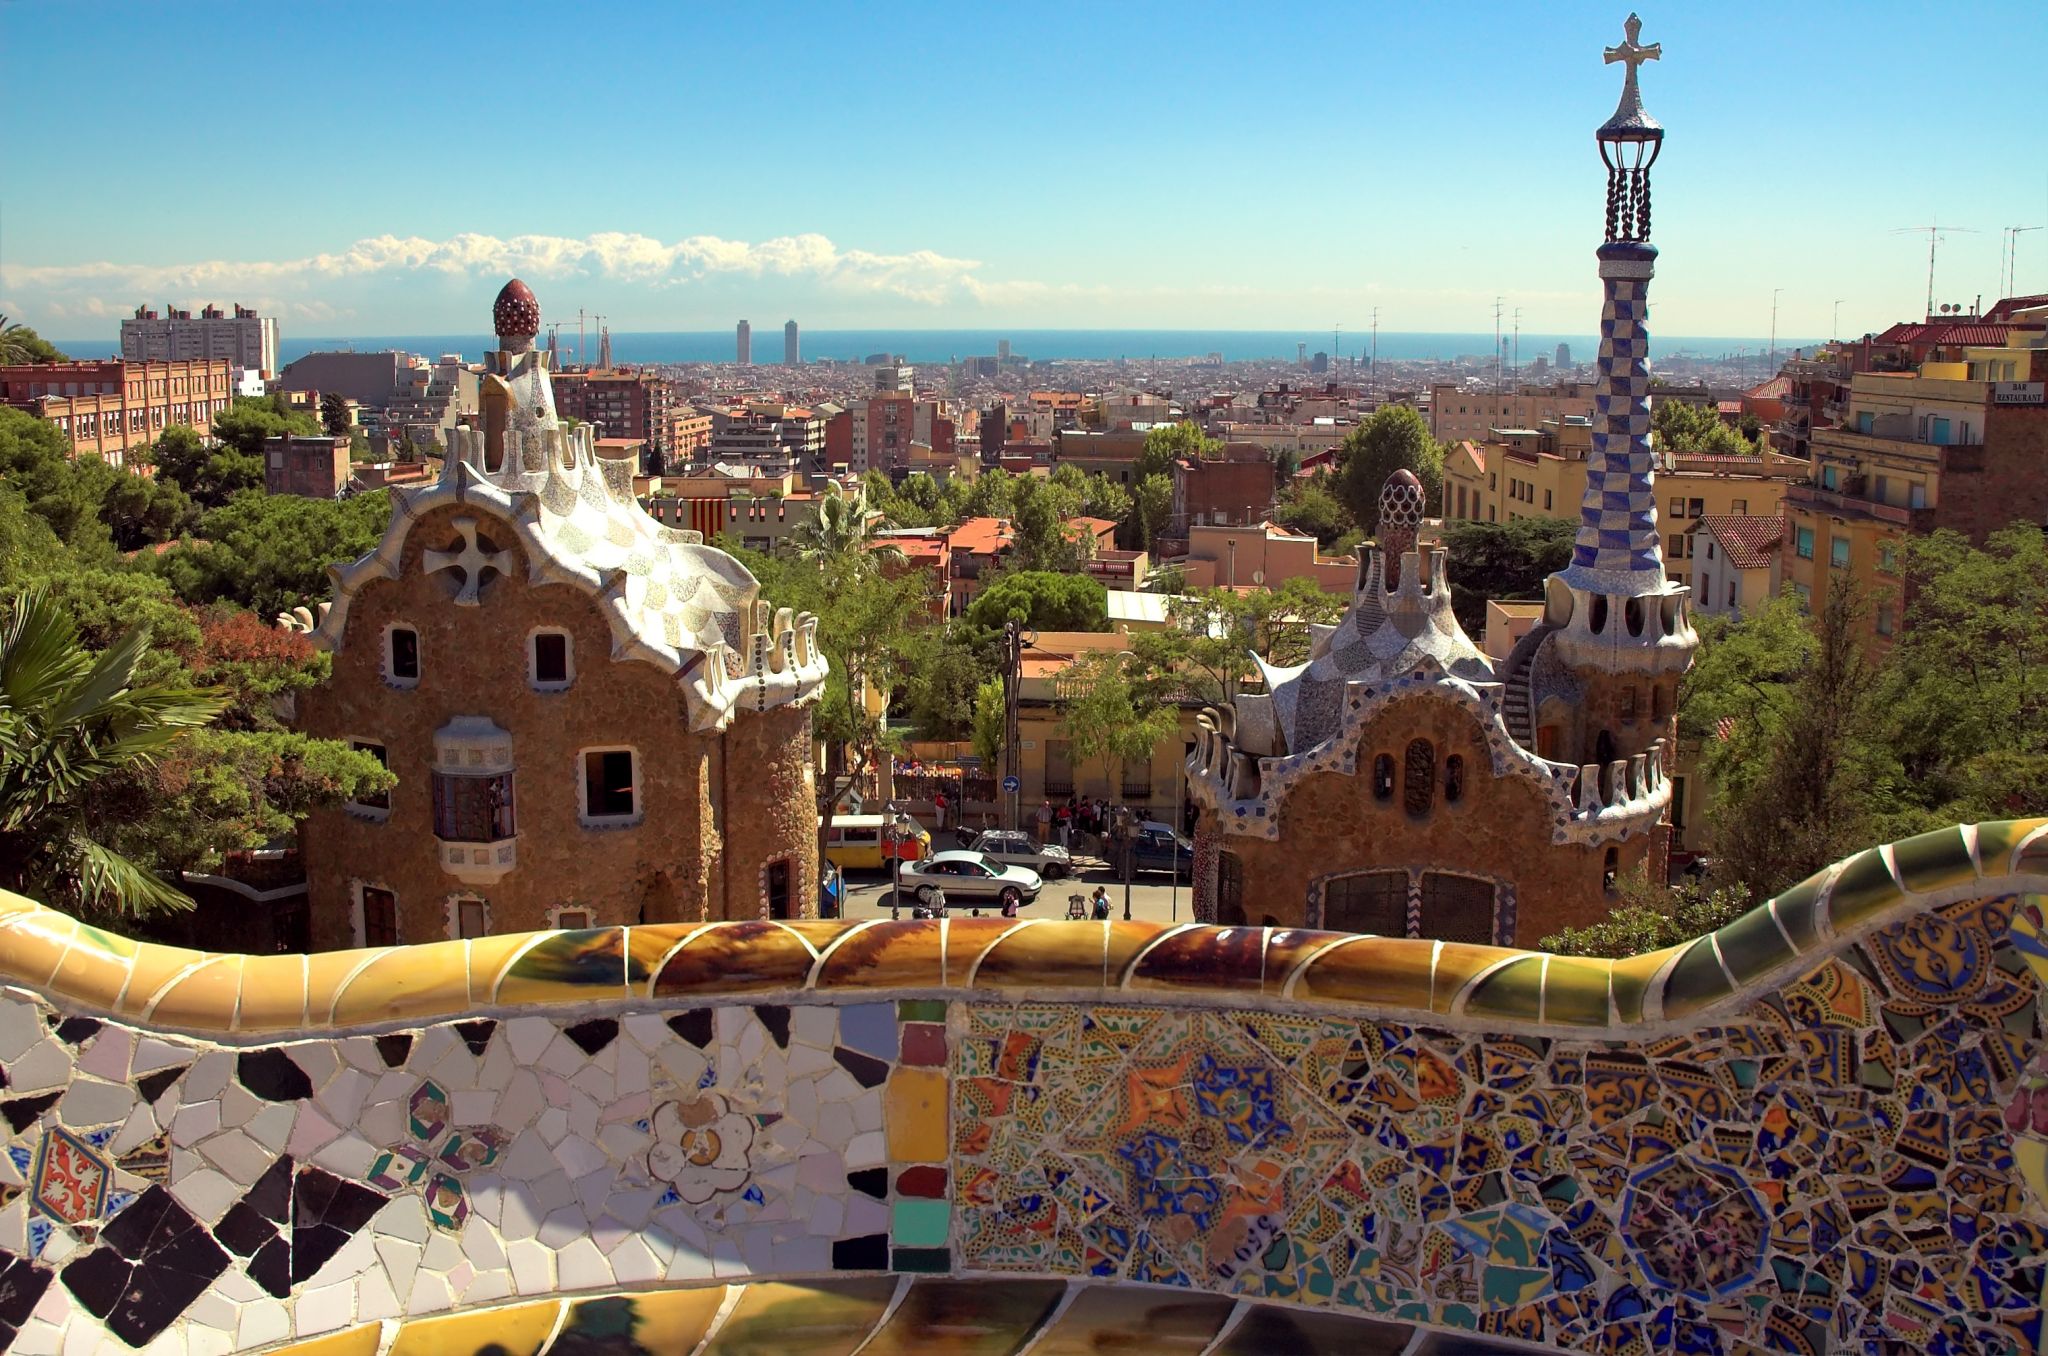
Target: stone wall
(473, 662)
(1813, 1130)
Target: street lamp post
(896, 828)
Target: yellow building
(1541, 473)
(1953, 445)
(1047, 765)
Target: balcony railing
(1814, 499)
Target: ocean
(940, 346)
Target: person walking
(1045, 822)
(939, 808)
(1098, 906)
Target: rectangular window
(1678, 802)
(402, 655)
(1879, 494)
(609, 791)
(1059, 767)
(372, 800)
(1888, 558)
(1372, 901)
(1678, 508)
(1830, 478)
(380, 917)
(572, 918)
(1805, 543)
(1838, 552)
(469, 918)
(779, 890)
(1739, 506)
(1137, 778)
(1457, 908)
(1677, 551)
(1916, 496)
(1887, 619)
(1733, 586)
(550, 659)
(1695, 507)
(473, 809)
(1546, 499)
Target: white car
(1013, 847)
(970, 877)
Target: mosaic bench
(1823, 1127)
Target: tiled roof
(1749, 540)
(984, 536)
(1982, 333)
(1777, 388)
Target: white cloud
(107, 288)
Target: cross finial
(472, 561)
(1632, 51)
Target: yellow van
(869, 842)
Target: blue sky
(377, 169)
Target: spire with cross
(1629, 112)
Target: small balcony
(1850, 503)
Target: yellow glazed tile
(568, 967)
(203, 1000)
(406, 981)
(662, 1321)
(1457, 963)
(1383, 971)
(1286, 949)
(273, 994)
(1052, 954)
(1996, 840)
(817, 1318)
(361, 1341)
(980, 1317)
(326, 973)
(819, 932)
(1113, 1319)
(154, 966)
(914, 1107)
(94, 976)
(32, 945)
(520, 1330)
(11, 903)
(645, 946)
(1931, 861)
(734, 958)
(488, 957)
(1126, 941)
(1513, 992)
(1630, 981)
(967, 941)
(888, 955)
(1203, 959)
(1575, 991)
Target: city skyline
(1325, 180)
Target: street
(1152, 897)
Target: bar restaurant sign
(2016, 392)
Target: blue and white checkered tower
(1614, 605)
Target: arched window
(1597, 618)
(1383, 777)
(1418, 788)
(1375, 902)
(1454, 778)
(1633, 612)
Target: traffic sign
(1013, 784)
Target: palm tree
(69, 719)
(14, 337)
(843, 533)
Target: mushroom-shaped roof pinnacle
(516, 313)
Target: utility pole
(1838, 318)
(1774, 332)
(1015, 638)
(1496, 345)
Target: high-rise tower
(746, 349)
(792, 354)
(1619, 621)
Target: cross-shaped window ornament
(473, 560)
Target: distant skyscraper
(1301, 354)
(1002, 350)
(746, 356)
(792, 354)
(245, 339)
(1564, 355)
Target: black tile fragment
(593, 1035)
(923, 1259)
(870, 1181)
(326, 1212)
(271, 1197)
(271, 1267)
(866, 1069)
(152, 1085)
(22, 1112)
(76, 1030)
(394, 1048)
(154, 1259)
(776, 1019)
(477, 1035)
(97, 1279)
(870, 1252)
(22, 1284)
(694, 1026)
(271, 1075)
(243, 1230)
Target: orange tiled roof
(984, 536)
(1750, 541)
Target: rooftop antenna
(2012, 277)
(1518, 343)
(1337, 345)
(1496, 346)
(1375, 340)
(1775, 292)
(1935, 235)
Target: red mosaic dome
(516, 313)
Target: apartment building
(1735, 562)
(1456, 413)
(108, 408)
(245, 339)
(1264, 555)
(1957, 443)
(311, 465)
(621, 403)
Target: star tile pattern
(1822, 1128)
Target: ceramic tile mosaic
(1824, 1127)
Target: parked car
(969, 877)
(1158, 847)
(871, 842)
(1013, 847)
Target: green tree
(990, 723)
(141, 512)
(1152, 507)
(20, 344)
(1167, 443)
(65, 492)
(1682, 426)
(1042, 599)
(334, 415)
(251, 419)
(208, 474)
(1110, 713)
(1045, 536)
(1796, 775)
(1309, 506)
(842, 532)
(270, 552)
(1393, 438)
(69, 721)
(1503, 560)
(1650, 918)
(947, 668)
(1206, 654)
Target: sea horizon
(950, 345)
